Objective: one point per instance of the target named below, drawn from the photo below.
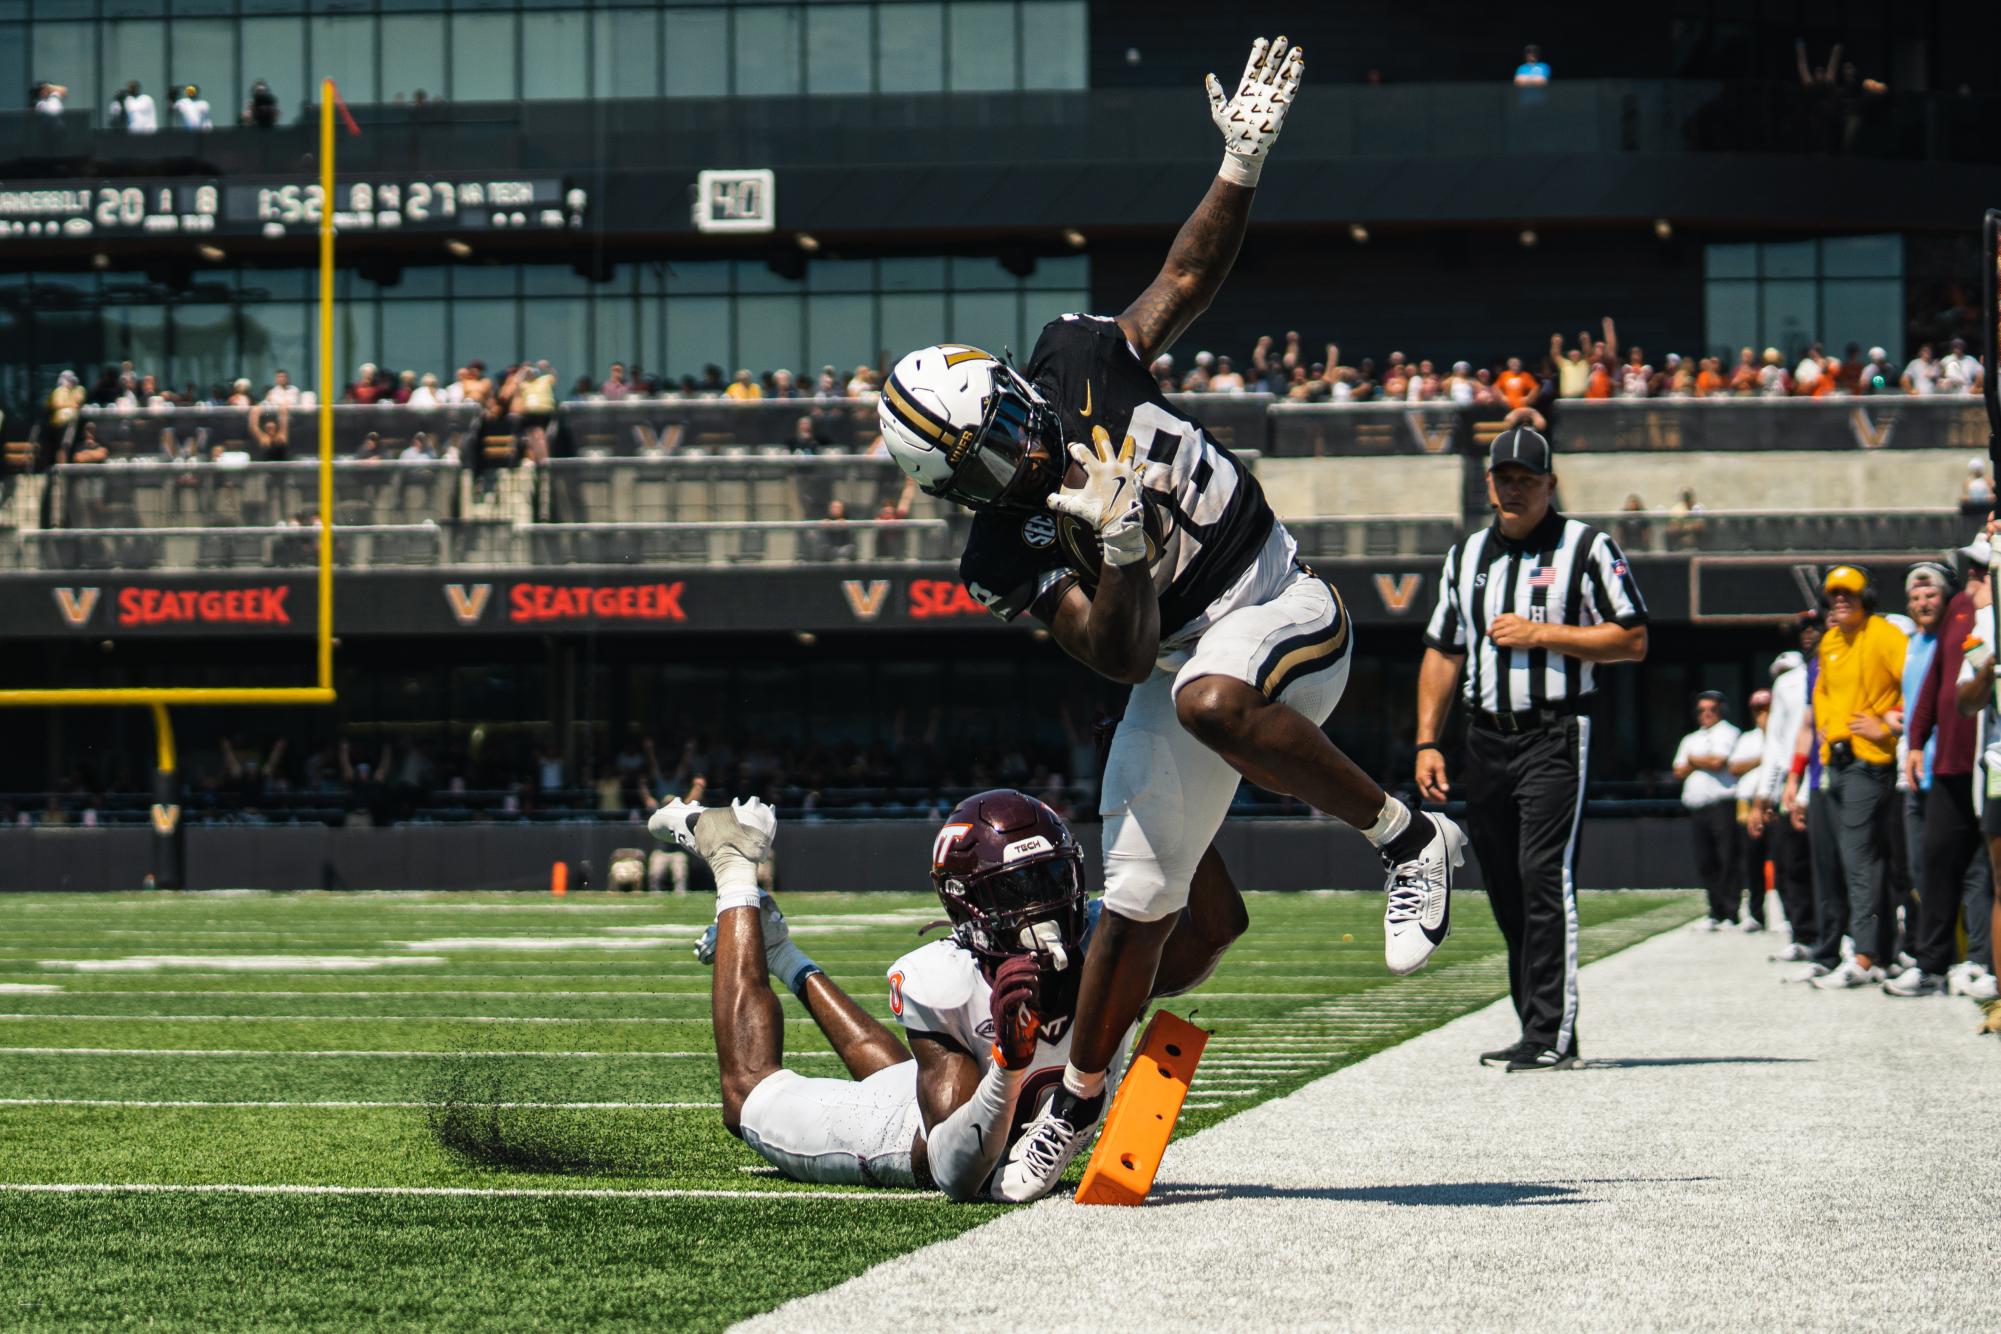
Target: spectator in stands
(65, 401)
(1858, 689)
(1197, 379)
(889, 543)
(744, 388)
(1601, 385)
(1396, 380)
(1226, 379)
(615, 389)
(535, 400)
(1517, 387)
(371, 449)
(1773, 382)
(583, 391)
(425, 395)
(783, 385)
(419, 450)
(806, 437)
(48, 98)
(406, 385)
(1633, 526)
(1976, 493)
(86, 447)
(1746, 765)
(1921, 375)
(1460, 386)
(366, 387)
(239, 394)
(1744, 378)
(1702, 763)
(262, 108)
(1807, 375)
(283, 393)
(1533, 72)
(1685, 523)
(863, 382)
(1163, 373)
(134, 112)
(191, 111)
(1681, 376)
(834, 539)
(1875, 375)
(1423, 385)
(1636, 377)
(273, 437)
(1958, 373)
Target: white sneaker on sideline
(1793, 953)
(1813, 972)
(1913, 982)
(1706, 924)
(1849, 974)
(1751, 926)
(1982, 988)
(1418, 917)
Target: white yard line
(462, 1192)
(1717, 1164)
(67, 1017)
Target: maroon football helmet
(1012, 880)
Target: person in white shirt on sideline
(1702, 763)
(1792, 855)
(1747, 765)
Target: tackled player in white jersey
(988, 1011)
(1153, 557)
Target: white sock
(736, 883)
(1081, 1084)
(1392, 820)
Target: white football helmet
(970, 428)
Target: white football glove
(1251, 120)
(1108, 500)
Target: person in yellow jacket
(1858, 703)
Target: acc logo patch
(1039, 531)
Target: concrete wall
(1389, 486)
(1855, 479)
(860, 856)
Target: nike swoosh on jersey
(1085, 411)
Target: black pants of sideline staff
(1524, 808)
(1955, 873)
(1718, 857)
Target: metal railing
(1859, 532)
(149, 494)
(754, 543)
(1334, 538)
(723, 489)
(277, 547)
(167, 433)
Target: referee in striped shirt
(1528, 608)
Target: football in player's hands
(1107, 499)
(1017, 991)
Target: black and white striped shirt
(1564, 573)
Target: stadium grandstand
(617, 290)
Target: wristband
(1240, 170)
(1423, 746)
(1799, 765)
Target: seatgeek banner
(822, 599)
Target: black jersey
(1207, 519)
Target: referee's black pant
(1524, 808)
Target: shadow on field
(493, 1112)
(1649, 1062)
(1456, 1194)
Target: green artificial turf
(470, 1000)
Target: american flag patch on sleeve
(1543, 578)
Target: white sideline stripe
(521, 1106)
(456, 994)
(464, 1192)
(247, 963)
(261, 1052)
(35, 988)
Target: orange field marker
(1143, 1112)
(559, 879)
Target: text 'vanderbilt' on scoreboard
(285, 206)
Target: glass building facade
(670, 318)
(1835, 290)
(497, 51)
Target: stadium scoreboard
(284, 206)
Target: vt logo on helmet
(1011, 879)
(970, 429)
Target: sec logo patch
(1039, 531)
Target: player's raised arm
(1207, 243)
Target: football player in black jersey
(1153, 557)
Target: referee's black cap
(1522, 446)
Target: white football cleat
(1418, 917)
(1982, 988)
(1035, 1161)
(1849, 974)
